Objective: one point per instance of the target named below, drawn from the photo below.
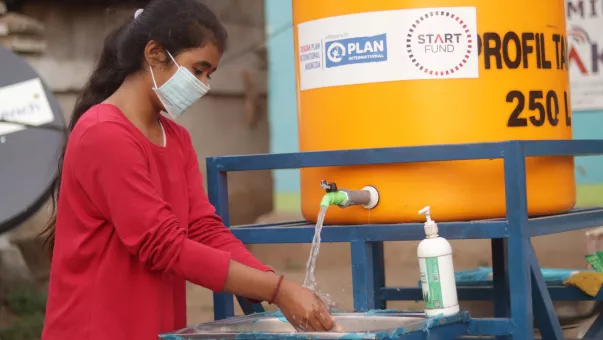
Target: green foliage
(27, 304)
(27, 328)
(24, 301)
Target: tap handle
(328, 186)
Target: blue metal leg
(596, 330)
(223, 306)
(499, 280)
(248, 307)
(544, 310)
(378, 273)
(520, 285)
(368, 275)
(217, 189)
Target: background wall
(282, 107)
(589, 170)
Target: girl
(133, 222)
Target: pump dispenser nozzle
(425, 211)
(431, 228)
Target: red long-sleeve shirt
(133, 224)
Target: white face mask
(179, 92)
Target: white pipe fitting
(374, 197)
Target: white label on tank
(409, 44)
(24, 102)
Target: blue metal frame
(516, 273)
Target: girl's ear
(154, 54)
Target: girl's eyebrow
(206, 64)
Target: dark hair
(177, 25)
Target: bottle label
(437, 282)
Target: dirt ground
(333, 270)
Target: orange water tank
(422, 72)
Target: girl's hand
(303, 308)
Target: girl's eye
(209, 77)
(198, 72)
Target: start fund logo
(356, 50)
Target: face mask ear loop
(174, 60)
(153, 76)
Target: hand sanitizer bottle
(437, 272)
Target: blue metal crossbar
(516, 273)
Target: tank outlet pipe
(367, 197)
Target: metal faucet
(328, 186)
(368, 197)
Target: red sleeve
(111, 165)
(204, 225)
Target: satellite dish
(29, 147)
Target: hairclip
(137, 13)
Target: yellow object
(588, 282)
(468, 71)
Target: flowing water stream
(310, 280)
